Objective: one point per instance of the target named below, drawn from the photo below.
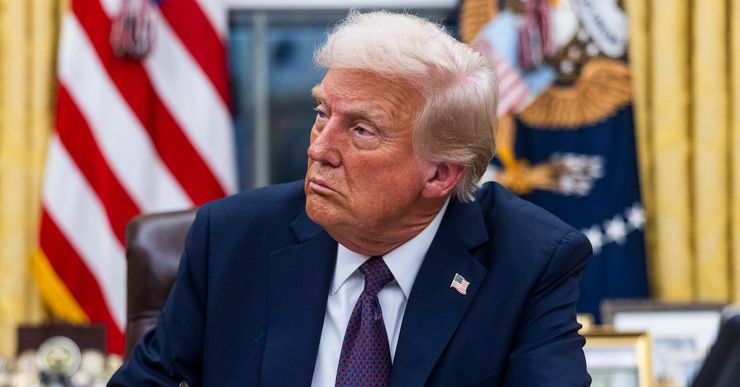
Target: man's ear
(443, 176)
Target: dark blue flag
(571, 146)
(598, 193)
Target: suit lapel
(298, 279)
(434, 310)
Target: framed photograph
(681, 333)
(618, 359)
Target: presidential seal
(58, 357)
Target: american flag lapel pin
(460, 284)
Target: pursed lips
(319, 185)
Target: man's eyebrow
(377, 118)
(356, 110)
(317, 92)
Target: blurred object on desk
(681, 333)
(720, 369)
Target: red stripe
(129, 76)
(519, 95)
(203, 42)
(75, 134)
(518, 101)
(511, 86)
(79, 280)
(504, 71)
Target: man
(382, 267)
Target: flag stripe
(512, 88)
(131, 80)
(197, 33)
(78, 279)
(507, 84)
(75, 135)
(522, 100)
(195, 105)
(510, 101)
(120, 136)
(216, 15)
(132, 135)
(197, 108)
(79, 215)
(504, 72)
(512, 92)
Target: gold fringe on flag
(61, 302)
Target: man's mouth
(320, 186)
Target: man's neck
(382, 240)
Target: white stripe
(508, 100)
(111, 7)
(121, 138)
(196, 106)
(191, 98)
(504, 69)
(216, 14)
(80, 216)
(509, 82)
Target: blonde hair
(458, 121)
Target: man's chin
(318, 208)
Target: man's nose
(324, 147)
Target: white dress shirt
(347, 285)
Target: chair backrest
(154, 245)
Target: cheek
(403, 176)
(387, 190)
(385, 177)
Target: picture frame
(681, 333)
(618, 359)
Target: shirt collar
(404, 261)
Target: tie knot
(377, 274)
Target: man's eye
(319, 113)
(362, 131)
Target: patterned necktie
(365, 359)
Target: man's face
(363, 175)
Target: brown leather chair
(154, 244)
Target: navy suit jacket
(248, 305)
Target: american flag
(514, 95)
(498, 41)
(460, 284)
(132, 135)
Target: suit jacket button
(183, 384)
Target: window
(272, 72)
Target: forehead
(351, 81)
(351, 90)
